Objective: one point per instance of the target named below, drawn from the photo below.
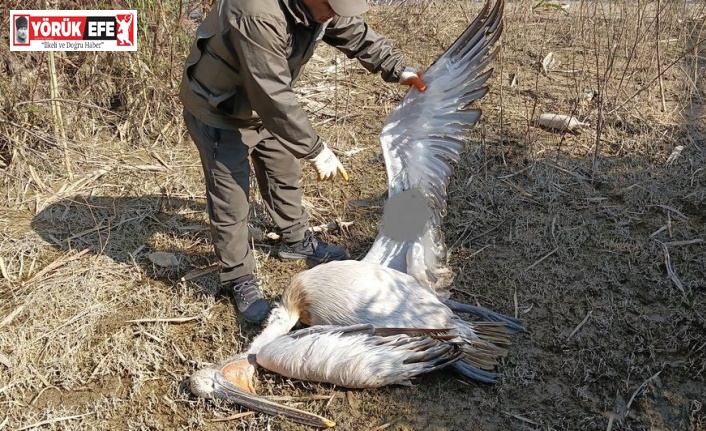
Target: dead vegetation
(597, 238)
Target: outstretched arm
(356, 39)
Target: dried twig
(639, 388)
(3, 270)
(53, 421)
(671, 209)
(165, 319)
(102, 227)
(522, 418)
(542, 259)
(233, 417)
(583, 322)
(61, 261)
(686, 242)
(670, 270)
(196, 273)
(333, 396)
(151, 336)
(385, 425)
(16, 312)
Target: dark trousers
(224, 157)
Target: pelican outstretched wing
(421, 140)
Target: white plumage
(424, 136)
(336, 354)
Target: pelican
(403, 280)
(354, 356)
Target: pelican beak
(241, 373)
(233, 382)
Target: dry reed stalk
(659, 57)
(59, 129)
(61, 261)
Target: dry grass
(597, 239)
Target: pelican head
(232, 381)
(239, 371)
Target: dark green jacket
(248, 54)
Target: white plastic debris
(676, 152)
(548, 62)
(560, 122)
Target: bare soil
(596, 238)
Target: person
(239, 103)
(21, 27)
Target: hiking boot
(312, 248)
(248, 298)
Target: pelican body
(357, 292)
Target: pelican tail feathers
(470, 372)
(483, 344)
(514, 325)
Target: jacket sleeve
(260, 46)
(355, 39)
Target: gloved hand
(413, 76)
(327, 165)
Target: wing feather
(423, 137)
(359, 356)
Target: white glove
(327, 165)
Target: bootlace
(248, 291)
(309, 241)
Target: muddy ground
(597, 239)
